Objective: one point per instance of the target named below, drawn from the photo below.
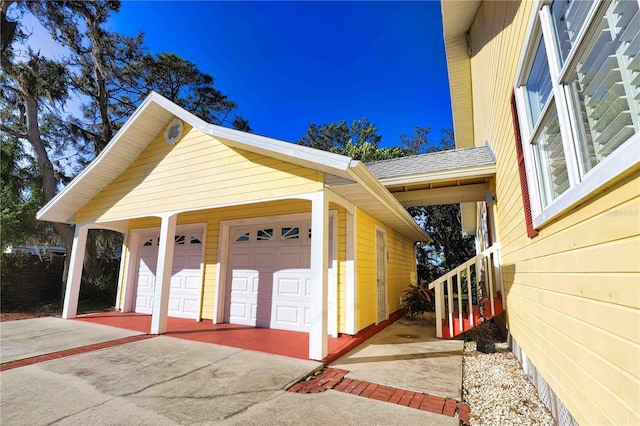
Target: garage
(186, 274)
(268, 275)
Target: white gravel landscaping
(495, 387)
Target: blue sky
(288, 64)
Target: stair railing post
(469, 295)
(459, 288)
(479, 286)
(450, 305)
(490, 279)
(439, 294)
(498, 269)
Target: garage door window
(180, 240)
(265, 234)
(290, 233)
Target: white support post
(123, 250)
(319, 275)
(133, 244)
(74, 277)
(163, 274)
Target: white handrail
(489, 261)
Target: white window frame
(623, 159)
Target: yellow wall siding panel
(341, 222)
(575, 372)
(146, 222)
(196, 172)
(400, 266)
(366, 270)
(460, 83)
(573, 293)
(591, 259)
(580, 324)
(612, 225)
(611, 288)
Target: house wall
(196, 172)
(401, 264)
(573, 291)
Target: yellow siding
(342, 266)
(573, 292)
(196, 172)
(459, 81)
(400, 265)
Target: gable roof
(434, 166)
(155, 113)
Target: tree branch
(13, 132)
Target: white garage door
(268, 276)
(186, 276)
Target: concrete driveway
(166, 381)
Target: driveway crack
(143, 389)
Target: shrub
(417, 299)
(99, 289)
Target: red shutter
(531, 231)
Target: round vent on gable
(173, 132)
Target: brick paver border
(333, 378)
(74, 351)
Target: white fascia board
(111, 146)
(251, 142)
(451, 174)
(364, 177)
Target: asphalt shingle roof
(433, 162)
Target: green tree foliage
(358, 140)
(32, 89)
(341, 135)
(450, 246)
(110, 73)
(368, 153)
(182, 82)
(21, 193)
(416, 142)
